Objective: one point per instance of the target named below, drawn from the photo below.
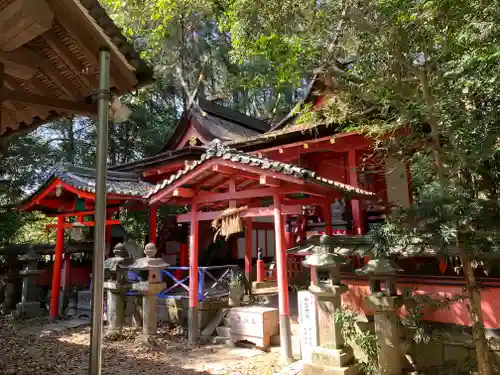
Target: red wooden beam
(269, 181)
(165, 194)
(85, 223)
(206, 197)
(233, 171)
(79, 213)
(37, 198)
(251, 212)
(183, 193)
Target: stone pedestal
(117, 286)
(148, 292)
(115, 305)
(332, 356)
(384, 299)
(387, 331)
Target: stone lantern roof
(322, 253)
(30, 256)
(121, 259)
(379, 268)
(149, 262)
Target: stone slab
(332, 357)
(313, 369)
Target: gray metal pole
(100, 214)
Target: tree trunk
(473, 294)
(475, 311)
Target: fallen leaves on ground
(26, 348)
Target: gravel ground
(33, 347)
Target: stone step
(223, 331)
(214, 323)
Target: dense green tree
(425, 81)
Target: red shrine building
(286, 181)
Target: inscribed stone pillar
(332, 356)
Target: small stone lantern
(12, 282)
(29, 307)
(385, 301)
(150, 269)
(116, 284)
(332, 356)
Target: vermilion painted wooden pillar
(288, 233)
(282, 279)
(153, 222)
(355, 204)
(56, 273)
(248, 249)
(327, 215)
(193, 277)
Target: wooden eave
(50, 68)
(153, 164)
(222, 175)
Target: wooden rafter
(62, 104)
(67, 17)
(71, 61)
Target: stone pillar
(29, 307)
(150, 267)
(332, 356)
(385, 302)
(390, 360)
(117, 286)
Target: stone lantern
(149, 268)
(332, 356)
(385, 301)
(116, 284)
(11, 280)
(29, 307)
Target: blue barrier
(219, 286)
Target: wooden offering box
(253, 323)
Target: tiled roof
(119, 183)
(217, 150)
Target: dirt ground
(34, 347)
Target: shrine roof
(214, 121)
(52, 68)
(181, 154)
(120, 183)
(216, 151)
(76, 180)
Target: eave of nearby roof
(119, 184)
(217, 150)
(185, 153)
(54, 74)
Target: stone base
(332, 357)
(28, 309)
(263, 284)
(318, 369)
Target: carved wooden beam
(22, 21)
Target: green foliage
(365, 340)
